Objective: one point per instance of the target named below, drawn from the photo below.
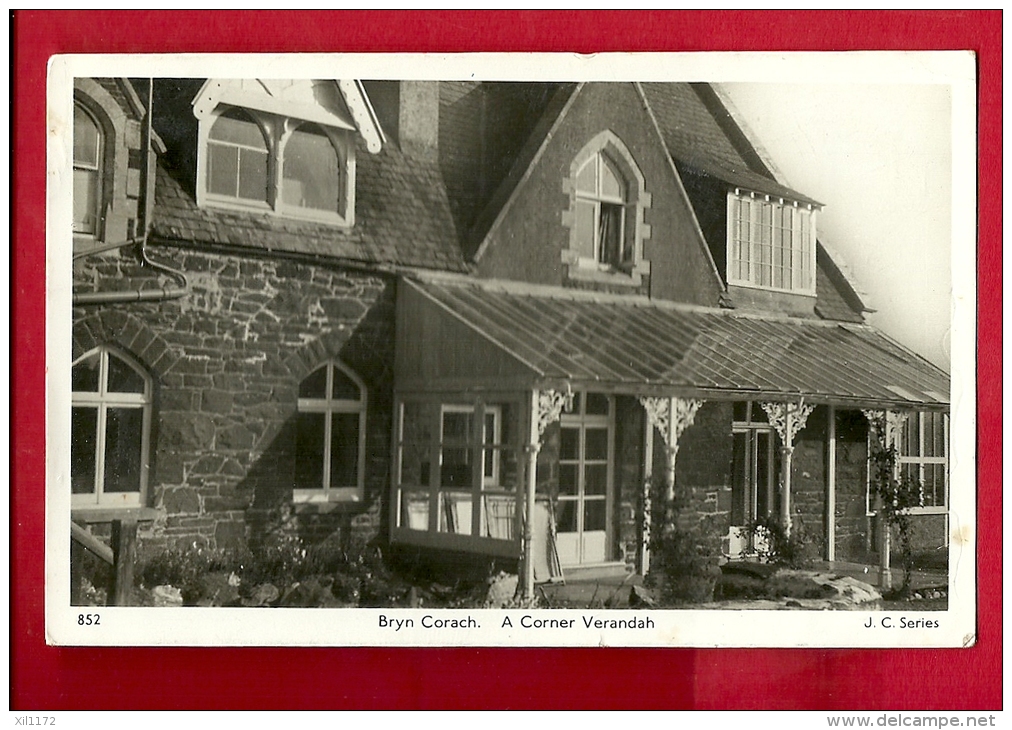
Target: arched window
(606, 217)
(330, 436)
(110, 425)
(311, 171)
(88, 151)
(237, 158)
(601, 200)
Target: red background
(44, 677)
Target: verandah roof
(637, 345)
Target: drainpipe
(140, 295)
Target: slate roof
(643, 346)
(700, 134)
(402, 215)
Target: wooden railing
(120, 556)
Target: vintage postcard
(669, 350)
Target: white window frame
(277, 130)
(329, 405)
(102, 401)
(921, 461)
(801, 236)
(98, 170)
(496, 412)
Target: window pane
(455, 512)
(83, 438)
(586, 212)
(85, 200)
(763, 478)
(415, 510)
(237, 129)
(123, 378)
(498, 517)
(457, 426)
(222, 170)
(123, 431)
(594, 515)
(610, 234)
(344, 387)
(611, 181)
(586, 178)
(87, 141)
(309, 446)
(85, 374)
(738, 479)
(344, 437)
(565, 515)
(597, 404)
(911, 437)
(568, 478)
(739, 411)
(596, 476)
(934, 434)
(252, 175)
(312, 173)
(456, 468)
(596, 447)
(934, 485)
(569, 443)
(314, 385)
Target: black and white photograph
(533, 350)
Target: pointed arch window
(330, 436)
(601, 201)
(606, 217)
(88, 153)
(110, 430)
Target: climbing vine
(896, 495)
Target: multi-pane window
(753, 465)
(771, 243)
(601, 199)
(330, 436)
(237, 158)
(265, 162)
(923, 455)
(457, 469)
(87, 172)
(110, 423)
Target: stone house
(470, 320)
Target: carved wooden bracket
(787, 419)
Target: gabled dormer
(284, 147)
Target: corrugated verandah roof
(638, 345)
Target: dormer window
(283, 147)
(771, 243)
(254, 160)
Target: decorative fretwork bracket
(787, 419)
(661, 412)
(885, 426)
(550, 405)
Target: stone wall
(226, 361)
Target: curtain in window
(610, 234)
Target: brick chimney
(418, 120)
